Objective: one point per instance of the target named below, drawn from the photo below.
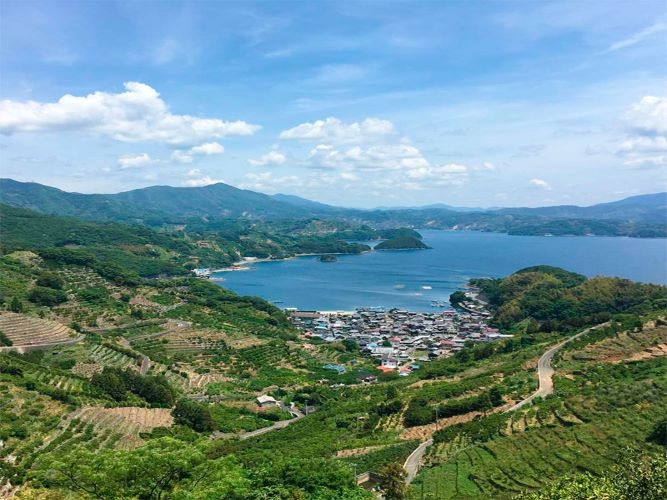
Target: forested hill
(548, 299)
(149, 252)
(639, 216)
(154, 205)
(643, 208)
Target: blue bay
(412, 279)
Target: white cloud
(270, 158)
(138, 114)
(334, 130)
(649, 116)
(201, 181)
(658, 27)
(267, 182)
(210, 148)
(136, 161)
(379, 157)
(186, 156)
(646, 127)
(181, 157)
(539, 183)
(647, 161)
(426, 172)
(643, 144)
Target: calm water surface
(411, 279)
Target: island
(327, 258)
(402, 243)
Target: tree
(350, 345)
(496, 397)
(456, 298)
(111, 383)
(50, 280)
(195, 415)
(418, 413)
(393, 482)
(5, 340)
(659, 433)
(151, 471)
(16, 305)
(46, 296)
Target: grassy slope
(599, 409)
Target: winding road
(546, 386)
(412, 463)
(545, 371)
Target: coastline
(244, 263)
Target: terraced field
(49, 376)
(26, 331)
(650, 342)
(109, 357)
(176, 379)
(77, 278)
(599, 411)
(120, 427)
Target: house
(265, 401)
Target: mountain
(219, 200)
(643, 215)
(298, 201)
(153, 205)
(51, 200)
(441, 206)
(642, 208)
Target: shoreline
(242, 263)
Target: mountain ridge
(158, 205)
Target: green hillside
(639, 216)
(151, 384)
(402, 243)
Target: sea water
(415, 279)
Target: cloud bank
(138, 114)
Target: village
(400, 339)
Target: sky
(360, 104)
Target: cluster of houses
(397, 338)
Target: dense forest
(552, 299)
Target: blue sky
(469, 103)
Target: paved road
(247, 435)
(545, 371)
(412, 463)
